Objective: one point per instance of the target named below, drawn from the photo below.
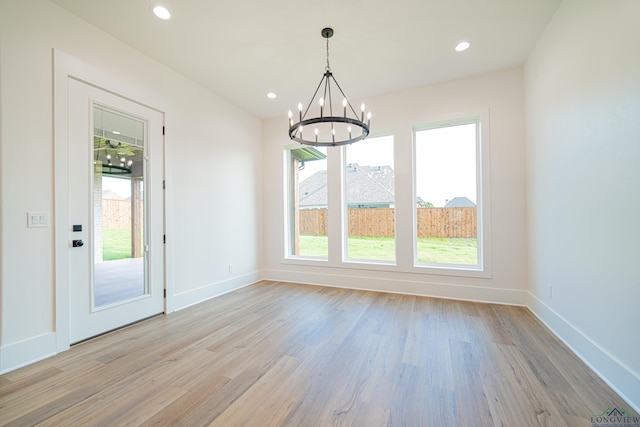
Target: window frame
(345, 212)
(483, 185)
(405, 215)
(289, 209)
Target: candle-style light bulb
(321, 105)
(349, 129)
(316, 132)
(333, 135)
(290, 114)
(369, 118)
(362, 108)
(344, 106)
(300, 109)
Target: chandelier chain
(328, 67)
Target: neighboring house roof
(313, 190)
(460, 202)
(110, 194)
(366, 185)
(369, 185)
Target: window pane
(308, 203)
(370, 197)
(446, 192)
(118, 207)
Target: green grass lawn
(372, 248)
(438, 250)
(116, 243)
(430, 250)
(316, 246)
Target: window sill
(391, 267)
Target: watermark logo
(615, 417)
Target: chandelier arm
(326, 85)
(344, 96)
(313, 97)
(327, 89)
(330, 97)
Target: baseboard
(403, 286)
(622, 379)
(212, 290)
(23, 353)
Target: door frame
(66, 67)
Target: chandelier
(329, 128)
(111, 155)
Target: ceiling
(243, 49)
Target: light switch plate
(37, 219)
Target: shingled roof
(367, 186)
(460, 202)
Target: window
(370, 200)
(308, 214)
(443, 208)
(447, 189)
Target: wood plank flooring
(276, 354)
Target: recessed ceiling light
(161, 12)
(115, 132)
(462, 46)
(272, 95)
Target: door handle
(77, 243)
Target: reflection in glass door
(118, 208)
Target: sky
(446, 164)
(445, 161)
(120, 186)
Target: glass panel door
(118, 208)
(116, 251)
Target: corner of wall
(195, 296)
(622, 379)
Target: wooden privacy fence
(379, 222)
(117, 213)
(314, 222)
(447, 222)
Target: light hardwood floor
(276, 354)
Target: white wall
(583, 149)
(213, 156)
(501, 95)
(225, 189)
